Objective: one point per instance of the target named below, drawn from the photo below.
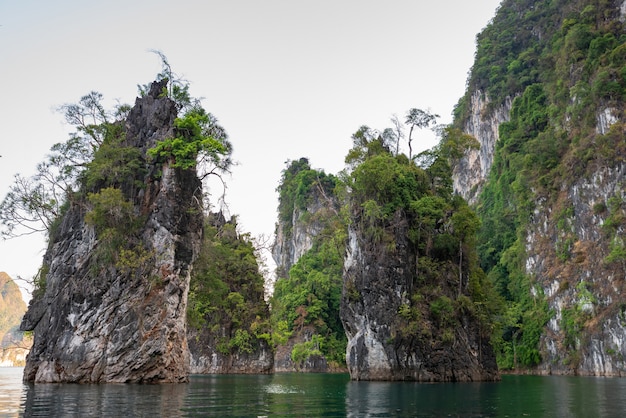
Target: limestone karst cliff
(308, 251)
(392, 255)
(414, 304)
(297, 227)
(113, 287)
(482, 123)
(545, 99)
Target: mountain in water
(112, 292)
(228, 319)
(139, 282)
(14, 345)
(545, 99)
(390, 251)
(308, 251)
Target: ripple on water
(277, 388)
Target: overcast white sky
(286, 78)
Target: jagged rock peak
(115, 298)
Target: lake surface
(313, 395)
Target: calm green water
(312, 395)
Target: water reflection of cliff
(104, 400)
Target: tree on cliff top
(34, 203)
(392, 198)
(95, 151)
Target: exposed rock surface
(290, 246)
(483, 123)
(96, 322)
(206, 358)
(292, 241)
(567, 255)
(377, 281)
(313, 364)
(574, 240)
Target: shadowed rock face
(377, 281)
(97, 322)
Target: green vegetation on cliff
(308, 295)
(226, 295)
(407, 211)
(563, 63)
(393, 202)
(107, 179)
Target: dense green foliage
(401, 209)
(194, 139)
(296, 189)
(309, 294)
(226, 294)
(563, 63)
(383, 192)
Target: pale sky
(285, 78)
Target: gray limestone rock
(377, 282)
(99, 322)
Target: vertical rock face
(569, 243)
(287, 250)
(115, 321)
(290, 246)
(207, 359)
(483, 122)
(307, 227)
(377, 284)
(568, 255)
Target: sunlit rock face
(568, 256)
(289, 246)
(377, 282)
(483, 123)
(98, 322)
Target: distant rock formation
(293, 240)
(124, 321)
(13, 344)
(304, 214)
